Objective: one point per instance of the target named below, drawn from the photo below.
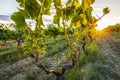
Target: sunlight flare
(99, 28)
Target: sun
(99, 28)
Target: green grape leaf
(68, 12)
(33, 8)
(69, 2)
(76, 4)
(83, 18)
(19, 20)
(88, 13)
(75, 19)
(77, 24)
(85, 4)
(106, 10)
(56, 19)
(91, 1)
(47, 5)
(24, 13)
(21, 3)
(57, 3)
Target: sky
(110, 19)
(7, 7)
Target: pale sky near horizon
(110, 19)
(10, 6)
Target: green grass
(2, 77)
(31, 74)
(3, 49)
(95, 66)
(83, 69)
(56, 47)
(51, 40)
(7, 50)
(10, 54)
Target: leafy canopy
(77, 13)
